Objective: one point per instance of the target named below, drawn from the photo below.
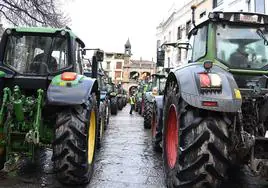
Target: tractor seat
(40, 64)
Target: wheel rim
(154, 122)
(172, 137)
(92, 136)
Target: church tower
(128, 48)
(127, 56)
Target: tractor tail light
(68, 76)
(210, 81)
(204, 80)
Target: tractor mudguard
(228, 99)
(149, 96)
(71, 92)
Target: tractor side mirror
(99, 55)
(84, 52)
(160, 59)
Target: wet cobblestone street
(126, 159)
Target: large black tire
(120, 103)
(201, 158)
(74, 145)
(113, 106)
(156, 128)
(101, 125)
(148, 110)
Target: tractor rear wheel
(148, 108)
(113, 106)
(120, 103)
(101, 124)
(107, 116)
(75, 143)
(195, 144)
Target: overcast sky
(107, 24)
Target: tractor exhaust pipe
(193, 7)
(94, 67)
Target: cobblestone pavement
(126, 159)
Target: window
(60, 54)
(203, 14)
(78, 58)
(169, 36)
(217, 3)
(200, 44)
(108, 64)
(118, 65)
(179, 33)
(179, 54)
(239, 54)
(260, 6)
(31, 54)
(117, 74)
(188, 27)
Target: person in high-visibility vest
(132, 103)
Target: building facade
(176, 26)
(122, 69)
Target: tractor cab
(158, 83)
(235, 41)
(31, 57)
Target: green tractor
(215, 107)
(112, 93)
(143, 87)
(157, 88)
(47, 102)
(104, 106)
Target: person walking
(132, 103)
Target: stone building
(122, 69)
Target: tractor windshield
(37, 55)
(241, 47)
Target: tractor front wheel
(148, 110)
(75, 143)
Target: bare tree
(33, 12)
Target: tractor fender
(228, 99)
(60, 93)
(149, 96)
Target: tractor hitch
(259, 157)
